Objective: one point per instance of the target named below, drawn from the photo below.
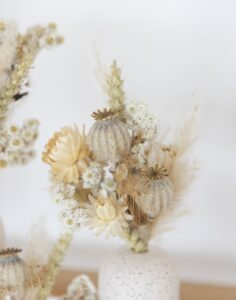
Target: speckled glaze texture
(125, 275)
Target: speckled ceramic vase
(125, 275)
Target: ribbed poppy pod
(14, 274)
(159, 194)
(158, 197)
(109, 138)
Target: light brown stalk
(49, 274)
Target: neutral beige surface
(189, 291)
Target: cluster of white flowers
(64, 195)
(73, 219)
(92, 177)
(43, 37)
(16, 143)
(81, 288)
(139, 117)
(71, 216)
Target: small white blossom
(28, 135)
(31, 124)
(15, 144)
(72, 219)
(92, 176)
(63, 194)
(14, 130)
(140, 119)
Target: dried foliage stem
(114, 88)
(54, 262)
(18, 76)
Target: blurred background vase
(125, 275)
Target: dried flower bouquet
(17, 55)
(120, 178)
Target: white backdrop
(172, 54)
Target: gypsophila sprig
(16, 143)
(119, 178)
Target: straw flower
(106, 215)
(67, 154)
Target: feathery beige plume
(2, 235)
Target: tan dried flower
(155, 173)
(105, 114)
(67, 153)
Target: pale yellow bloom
(105, 214)
(67, 153)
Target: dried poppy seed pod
(159, 193)
(14, 274)
(109, 138)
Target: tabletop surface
(189, 291)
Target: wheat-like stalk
(52, 268)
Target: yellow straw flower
(67, 153)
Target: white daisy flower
(28, 135)
(15, 144)
(72, 220)
(14, 130)
(92, 176)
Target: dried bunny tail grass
(2, 235)
(48, 275)
(37, 248)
